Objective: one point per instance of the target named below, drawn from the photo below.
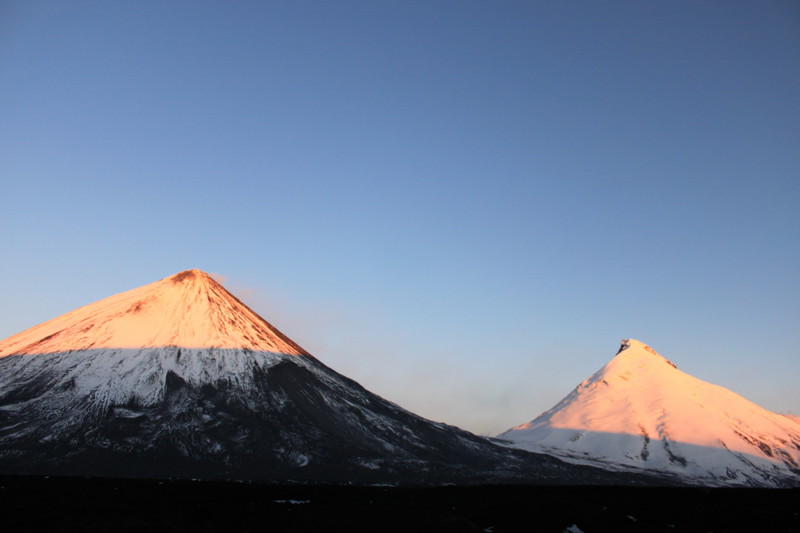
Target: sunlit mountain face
(179, 378)
(640, 412)
(189, 309)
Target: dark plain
(30, 503)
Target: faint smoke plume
(313, 327)
(219, 278)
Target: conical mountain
(180, 379)
(120, 349)
(640, 412)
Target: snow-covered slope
(641, 412)
(180, 379)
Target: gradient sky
(462, 205)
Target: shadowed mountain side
(239, 414)
(681, 461)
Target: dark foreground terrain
(74, 504)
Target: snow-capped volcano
(119, 350)
(180, 379)
(639, 411)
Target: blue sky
(462, 205)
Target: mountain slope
(180, 379)
(641, 412)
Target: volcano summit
(180, 379)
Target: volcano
(640, 413)
(179, 378)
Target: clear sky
(462, 205)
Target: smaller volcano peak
(639, 352)
(636, 345)
(640, 411)
(623, 345)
